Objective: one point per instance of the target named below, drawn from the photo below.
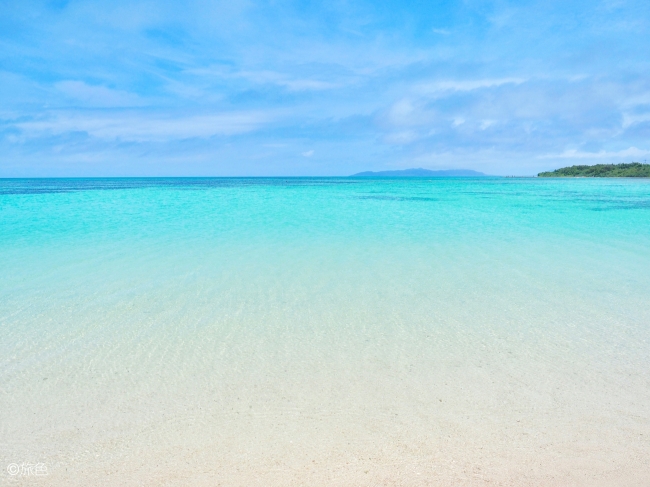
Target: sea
(325, 332)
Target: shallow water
(325, 331)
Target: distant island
(630, 170)
(420, 173)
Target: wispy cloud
(141, 127)
(630, 119)
(438, 87)
(97, 96)
(263, 77)
(292, 84)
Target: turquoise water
(326, 331)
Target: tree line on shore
(625, 170)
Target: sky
(307, 88)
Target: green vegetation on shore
(631, 170)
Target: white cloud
(403, 137)
(308, 153)
(269, 77)
(438, 87)
(407, 113)
(97, 96)
(401, 113)
(142, 127)
(307, 85)
(487, 124)
(636, 99)
(280, 79)
(629, 120)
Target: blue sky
(224, 88)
